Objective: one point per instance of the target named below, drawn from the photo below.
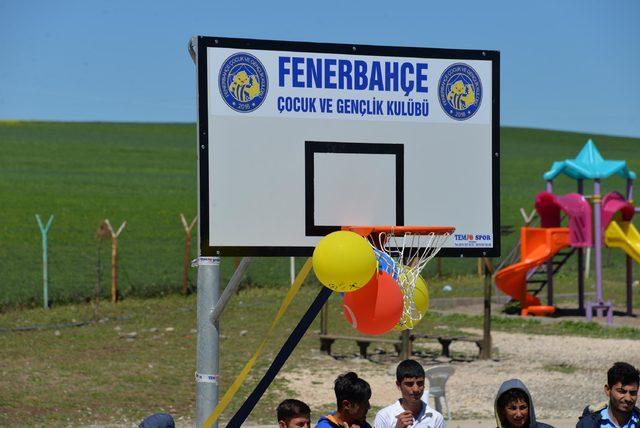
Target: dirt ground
(563, 373)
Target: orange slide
(537, 245)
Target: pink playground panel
(577, 208)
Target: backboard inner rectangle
(353, 184)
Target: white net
(409, 253)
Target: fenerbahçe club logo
(243, 82)
(460, 91)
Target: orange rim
(400, 230)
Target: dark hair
(409, 368)
(350, 387)
(624, 373)
(292, 408)
(511, 395)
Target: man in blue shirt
(619, 411)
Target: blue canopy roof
(589, 164)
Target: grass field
(146, 174)
(99, 373)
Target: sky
(565, 65)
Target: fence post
(45, 273)
(187, 250)
(114, 258)
(486, 328)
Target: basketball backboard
(299, 139)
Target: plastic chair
(438, 377)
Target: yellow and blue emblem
(243, 82)
(460, 91)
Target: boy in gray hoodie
(514, 407)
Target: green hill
(146, 174)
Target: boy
(620, 410)
(293, 413)
(410, 410)
(352, 397)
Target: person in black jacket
(619, 411)
(514, 407)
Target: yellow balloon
(420, 305)
(344, 261)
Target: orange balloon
(375, 308)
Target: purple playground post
(597, 206)
(629, 260)
(580, 262)
(549, 264)
(629, 286)
(599, 305)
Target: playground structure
(593, 221)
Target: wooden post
(405, 352)
(96, 296)
(324, 319)
(114, 258)
(187, 251)
(480, 267)
(486, 330)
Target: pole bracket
(205, 261)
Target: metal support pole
(207, 364)
(292, 269)
(486, 330)
(45, 262)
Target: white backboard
(298, 139)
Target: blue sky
(568, 65)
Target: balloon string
(233, 389)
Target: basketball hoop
(411, 248)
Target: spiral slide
(537, 246)
(624, 235)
